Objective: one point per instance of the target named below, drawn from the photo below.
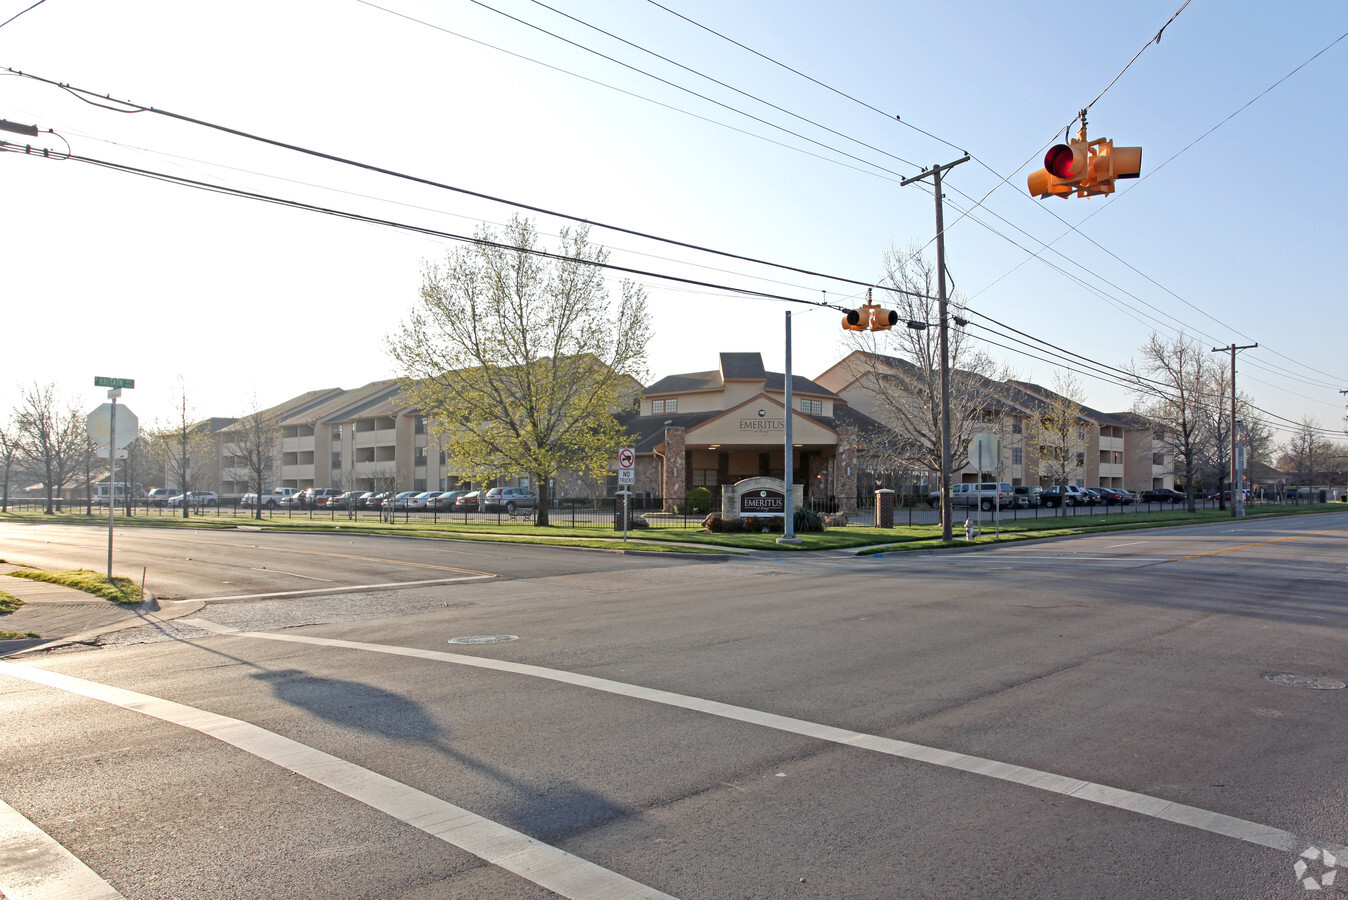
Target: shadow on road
(547, 811)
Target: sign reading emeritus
(763, 502)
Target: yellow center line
(1295, 537)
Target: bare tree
(250, 445)
(1308, 452)
(134, 466)
(1058, 431)
(178, 443)
(51, 437)
(1172, 386)
(9, 455)
(901, 370)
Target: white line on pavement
(33, 866)
(544, 865)
(291, 574)
(348, 588)
(1143, 804)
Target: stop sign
(99, 423)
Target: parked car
(983, 495)
(1226, 495)
(420, 499)
(469, 502)
(1108, 496)
(321, 497)
(1071, 495)
(1126, 497)
(160, 496)
(367, 500)
(270, 500)
(509, 499)
(400, 499)
(196, 499)
(349, 500)
(1028, 496)
(1162, 495)
(444, 500)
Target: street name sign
(105, 381)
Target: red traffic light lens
(1059, 160)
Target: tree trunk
(541, 517)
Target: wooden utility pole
(1237, 503)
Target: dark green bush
(807, 520)
(698, 500)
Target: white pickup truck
(270, 500)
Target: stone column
(884, 508)
(676, 469)
(845, 471)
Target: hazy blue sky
(1238, 238)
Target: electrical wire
(369, 167)
(17, 14)
(417, 229)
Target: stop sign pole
(114, 386)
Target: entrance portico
(709, 429)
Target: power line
(418, 229)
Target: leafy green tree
(520, 360)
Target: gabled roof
(736, 367)
(1102, 418)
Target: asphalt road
(1087, 717)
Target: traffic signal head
(870, 318)
(1084, 168)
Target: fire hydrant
(968, 529)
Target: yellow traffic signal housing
(1084, 168)
(857, 319)
(870, 318)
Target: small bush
(807, 520)
(698, 500)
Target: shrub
(698, 500)
(807, 520)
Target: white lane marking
(352, 587)
(1143, 804)
(33, 866)
(544, 865)
(291, 574)
(1128, 544)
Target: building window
(1081, 461)
(420, 425)
(813, 407)
(704, 478)
(1158, 459)
(419, 457)
(418, 484)
(337, 432)
(444, 457)
(336, 460)
(1016, 427)
(1016, 456)
(660, 407)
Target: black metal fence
(646, 511)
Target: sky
(774, 131)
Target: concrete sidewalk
(63, 615)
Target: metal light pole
(935, 171)
(788, 467)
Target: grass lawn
(8, 603)
(691, 540)
(120, 590)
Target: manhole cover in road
(488, 639)
(1314, 682)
